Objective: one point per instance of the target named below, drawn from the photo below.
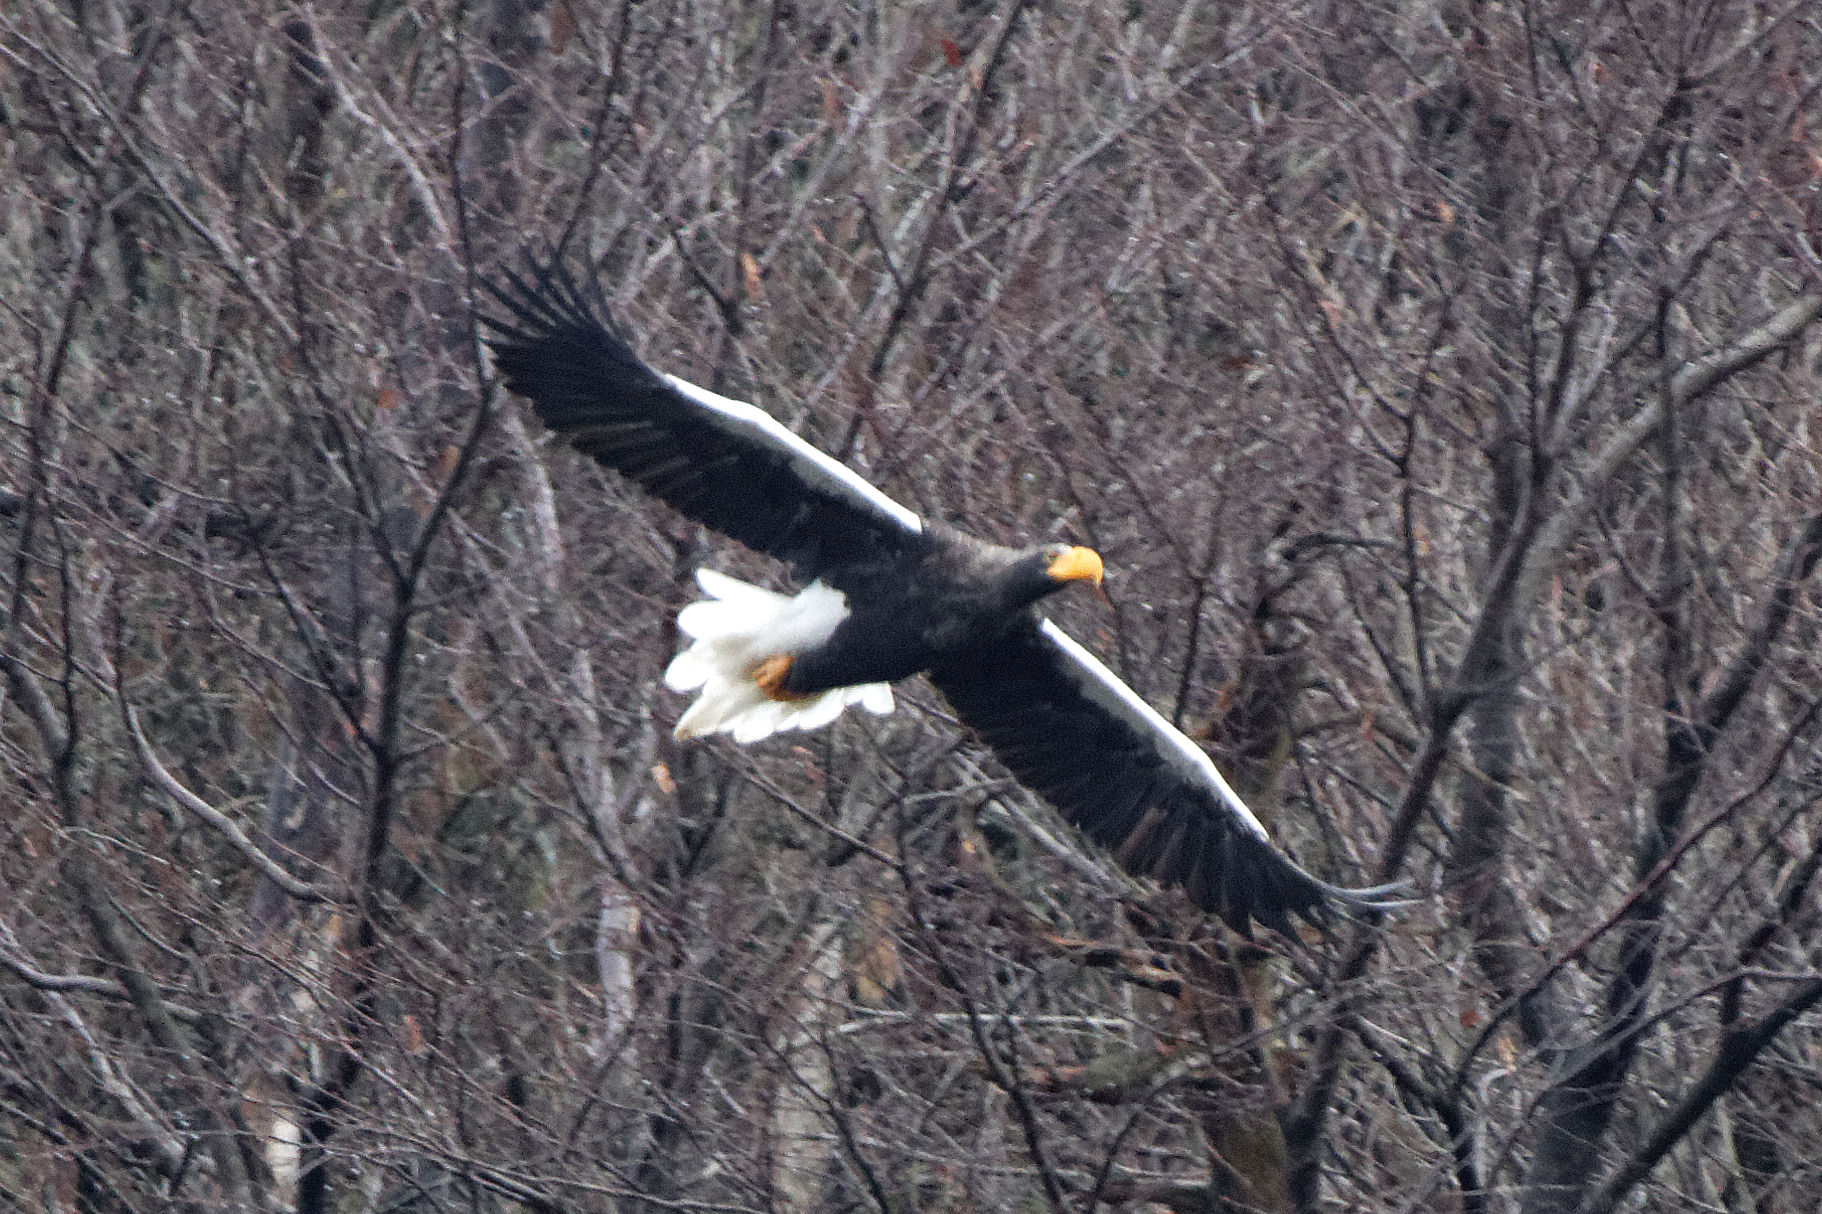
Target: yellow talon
(770, 675)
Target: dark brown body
(949, 594)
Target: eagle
(886, 595)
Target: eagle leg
(770, 674)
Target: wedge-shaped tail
(736, 629)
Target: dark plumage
(889, 596)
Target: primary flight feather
(888, 595)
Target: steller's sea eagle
(888, 595)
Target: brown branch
(172, 197)
(1740, 1047)
(1704, 374)
(1006, 1076)
(221, 823)
(1579, 948)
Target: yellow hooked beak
(1077, 565)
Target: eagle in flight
(887, 595)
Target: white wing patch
(1106, 689)
(740, 625)
(820, 469)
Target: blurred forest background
(1439, 378)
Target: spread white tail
(735, 629)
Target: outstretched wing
(1070, 730)
(723, 463)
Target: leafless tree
(1437, 379)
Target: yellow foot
(769, 675)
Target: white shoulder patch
(816, 466)
(1111, 692)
